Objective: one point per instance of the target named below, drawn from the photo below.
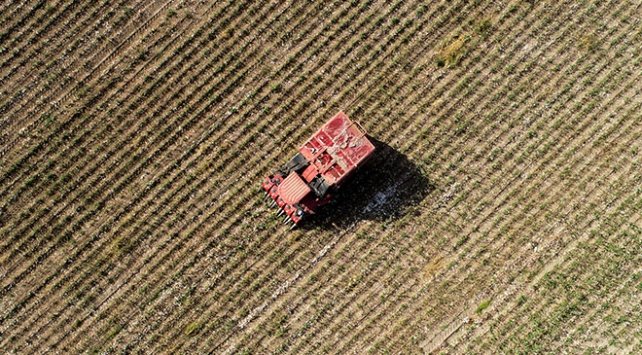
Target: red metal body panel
(337, 149)
(329, 157)
(293, 189)
(309, 173)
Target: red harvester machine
(322, 164)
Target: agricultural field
(501, 213)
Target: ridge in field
(385, 188)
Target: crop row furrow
(86, 175)
(80, 146)
(61, 28)
(107, 64)
(573, 271)
(10, 11)
(384, 125)
(24, 25)
(633, 139)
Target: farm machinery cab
(309, 180)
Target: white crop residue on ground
(381, 199)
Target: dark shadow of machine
(385, 188)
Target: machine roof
(337, 148)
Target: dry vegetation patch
(501, 214)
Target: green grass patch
(482, 306)
(192, 328)
(453, 53)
